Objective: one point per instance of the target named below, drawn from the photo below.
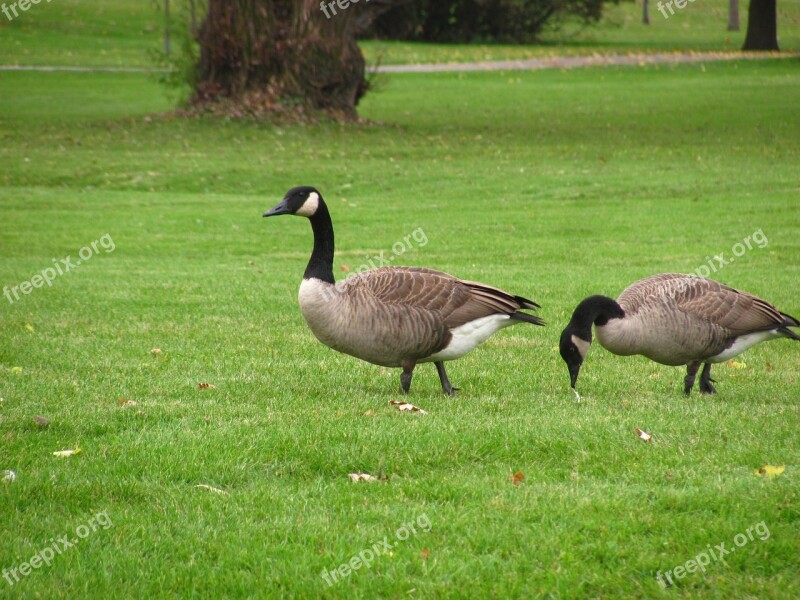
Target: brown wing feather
(455, 301)
(736, 311)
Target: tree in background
(733, 15)
(266, 55)
(465, 21)
(762, 26)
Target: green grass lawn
(123, 33)
(553, 185)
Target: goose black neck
(320, 265)
(597, 310)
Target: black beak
(574, 369)
(280, 209)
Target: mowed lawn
(124, 33)
(553, 185)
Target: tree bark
(645, 12)
(166, 28)
(279, 54)
(733, 15)
(762, 26)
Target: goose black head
(303, 201)
(574, 347)
(576, 339)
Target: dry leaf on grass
(41, 421)
(211, 488)
(29, 327)
(8, 476)
(155, 351)
(355, 477)
(206, 386)
(407, 407)
(769, 471)
(735, 364)
(66, 453)
(124, 402)
(345, 268)
(516, 478)
(643, 435)
(425, 553)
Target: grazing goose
(395, 316)
(674, 320)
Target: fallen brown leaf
(211, 488)
(644, 435)
(41, 421)
(407, 407)
(206, 386)
(516, 478)
(365, 477)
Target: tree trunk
(733, 15)
(645, 13)
(266, 55)
(166, 27)
(762, 26)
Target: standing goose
(674, 320)
(395, 316)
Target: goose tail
(525, 303)
(789, 321)
(526, 318)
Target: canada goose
(395, 316)
(674, 320)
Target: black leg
(705, 381)
(406, 375)
(446, 386)
(691, 373)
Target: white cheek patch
(310, 206)
(583, 345)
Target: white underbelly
(742, 343)
(470, 335)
